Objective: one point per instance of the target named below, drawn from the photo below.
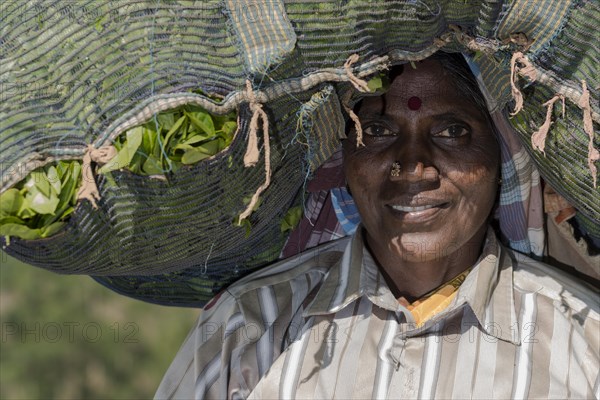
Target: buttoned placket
(405, 381)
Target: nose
(414, 172)
(415, 161)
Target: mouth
(418, 213)
(408, 209)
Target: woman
(422, 301)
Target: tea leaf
(229, 129)
(38, 181)
(51, 229)
(166, 120)
(375, 83)
(202, 121)
(21, 231)
(11, 202)
(153, 166)
(245, 223)
(193, 155)
(291, 219)
(53, 179)
(174, 129)
(196, 139)
(211, 148)
(126, 154)
(42, 204)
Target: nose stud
(396, 168)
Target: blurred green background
(68, 337)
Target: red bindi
(414, 103)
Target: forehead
(427, 78)
(428, 81)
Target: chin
(424, 246)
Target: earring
(396, 168)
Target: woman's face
(439, 201)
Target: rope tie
(360, 84)
(357, 126)
(345, 100)
(527, 69)
(593, 154)
(252, 152)
(88, 189)
(538, 139)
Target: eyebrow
(460, 113)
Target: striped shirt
(324, 324)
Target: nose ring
(396, 168)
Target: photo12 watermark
(69, 332)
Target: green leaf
(26, 212)
(166, 120)
(65, 176)
(195, 139)
(229, 129)
(211, 148)
(183, 146)
(75, 178)
(221, 144)
(148, 141)
(11, 202)
(153, 166)
(67, 212)
(174, 129)
(20, 231)
(63, 168)
(291, 219)
(11, 220)
(54, 179)
(193, 155)
(375, 83)
(38, 182)
(42, 204)
(245, 223)
(202, 121)
(51, 229)
(126, 154)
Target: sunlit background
(68, 337)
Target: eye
(453, 131)
(378, 130)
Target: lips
(417, 202)
(417, 210)
(408, 209)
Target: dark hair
(464, 81)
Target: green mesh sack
(81, 73)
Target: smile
(417, 213)
(414, 209)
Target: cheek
(478, 185)
(364, 167)
(364, 181)
(475, 170)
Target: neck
(412, 278)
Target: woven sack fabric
(81, 73)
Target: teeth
(412, 209)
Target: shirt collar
(488, 289)
(354, 276)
